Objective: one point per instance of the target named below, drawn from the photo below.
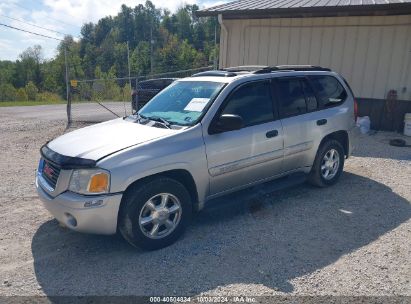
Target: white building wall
(373, 52)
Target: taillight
(355, 110)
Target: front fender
(182, 151)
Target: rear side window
(291, 97)
(329, 90)
(252, 102)
(311, 100)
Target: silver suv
(202, 137)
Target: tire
(138, 218)
(318, 176)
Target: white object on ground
(364, 124)
(407, 124)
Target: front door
(253, 153)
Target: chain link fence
(97, 100)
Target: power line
(33, 33)
(77, 26)
(47, 29)
(28, 9)
(38, 26)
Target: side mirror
(226, 122)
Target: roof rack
(220, 73)
(291, 68)
(245, 68)
(260, 69)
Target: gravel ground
(84, 111)
(351, 239)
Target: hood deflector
(66, 162)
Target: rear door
(302, 123)
(335, 103)
(253, 153)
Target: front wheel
(328, 164)
(154, 214)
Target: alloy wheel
(160, 215)
(330, 164)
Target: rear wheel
(154, 214)
(328, 164)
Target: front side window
(183, 102)
(328, 89)
(252, 102)
(291, 97)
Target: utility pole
(128, 62)
(151, 49)
(215, 46)
(129, 77)
(67, 89)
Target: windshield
(182, 103)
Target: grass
(28, 103)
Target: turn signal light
(98, 183)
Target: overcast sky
(65, 16)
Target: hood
(97, 141)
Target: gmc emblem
(48, 170)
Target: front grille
(50, 173)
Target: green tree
(31, 60)
(184, 26)
(167, 21)
(31, 90)
(88, 33)
(6, 71)
(21, 95)
(125, 23)
(7, 92)
(120, 59)
(102, 29)
(189, 57)
(167, 57)
(98, 73)
(51, 81)
(140, 59)
(179, 40)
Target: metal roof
(302, 8)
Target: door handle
(271, 134)
(321, 122)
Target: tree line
(156, 40)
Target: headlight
(90, 181)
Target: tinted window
(310, 99)
(328, 89)
(291, 97)
(252, 102)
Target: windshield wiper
(138, 117)
(166, 123)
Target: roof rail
(245, 68)
(259, 69)
(218, 73)
(291, 68)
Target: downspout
(223, 47)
